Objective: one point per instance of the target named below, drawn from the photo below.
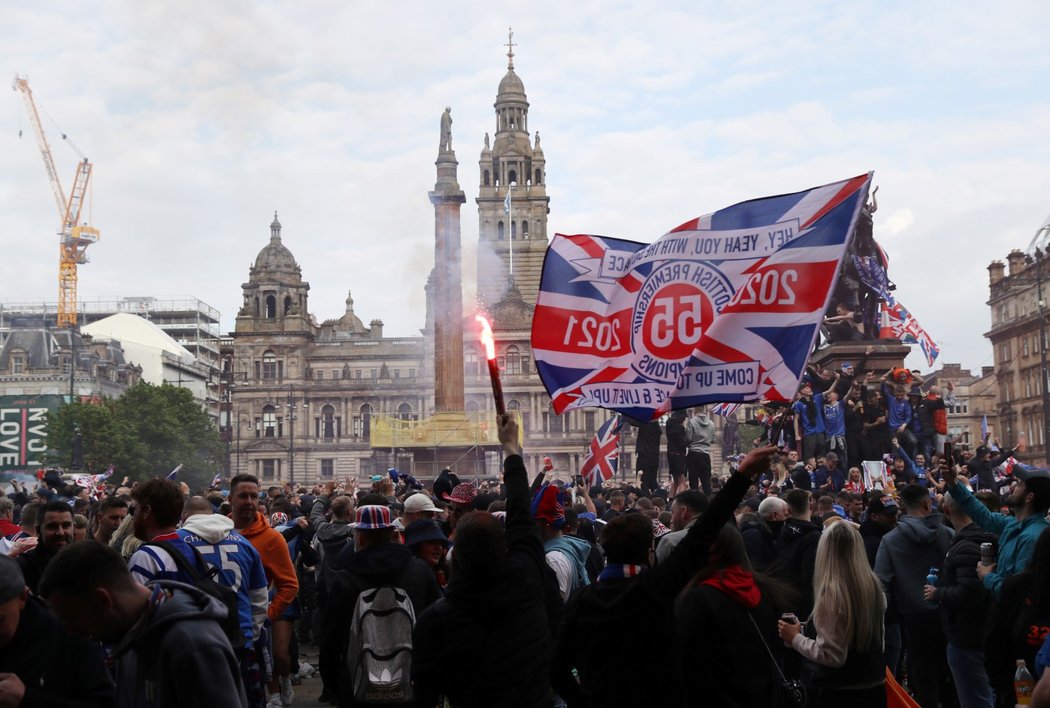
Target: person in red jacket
(8, 527)
(280, 573)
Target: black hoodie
(796, 560)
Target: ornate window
(328, 422)
(404, 412)
(269, 366)
(513, 360)
(269, 421)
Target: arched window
(486, 179)
(269, 422)
(255, 309)
(513, 360)
(271, 307)
(269, 367)
(524, 229)
(363, 422)
(287, 304)
(539, 178)
(513, 230)
(404, 411)
(500, 231)
(512, 177)
(328, 422)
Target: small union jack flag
(724, 409)
(603, 453)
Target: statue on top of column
(446, 131)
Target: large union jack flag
(898, 323)
(724, 308)
(604, 453)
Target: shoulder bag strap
(769, 651)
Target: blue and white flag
(171, 475)
(506, 202)
(603, 453)
(724, 308)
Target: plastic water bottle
(1024, 684)
(931, 579)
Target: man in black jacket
(54, 528)
(39, 663)
(963, 602)
(501, 610)
(377, 561)
(797, 550)
(629, 594)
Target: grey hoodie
(905, 557)
(177, 655)
(700, 432)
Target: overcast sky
(203, 117)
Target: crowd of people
(800, 578)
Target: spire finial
(510, 48)
(275, 228)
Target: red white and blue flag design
(724, 308)
(603, 453)
(898, 323)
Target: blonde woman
(842, 645)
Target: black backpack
(208, 583)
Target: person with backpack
(240, 568)
(158, 508)
(375, 599)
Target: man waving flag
(724, 308)
(603, 453)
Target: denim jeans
(971, 681)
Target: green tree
(145, 433)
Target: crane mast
(74, 237)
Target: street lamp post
(292, 418)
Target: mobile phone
(948, 459)
(579, 480)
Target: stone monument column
(448, 279)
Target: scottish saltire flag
(603, 453)
(724, 308)
(898, 323)
(724, 409)
(984, 428)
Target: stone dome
(511, 86)
(275, 258)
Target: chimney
(987, 370)
(995, 272)
(1016, 261)
(377, 329)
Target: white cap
(419, 502)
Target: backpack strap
(180, 560)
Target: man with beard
(111, 512)
(54, 528)
(761, 535)
(1029, 498)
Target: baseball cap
(373, 517)
(882, 504)
(1029, 473)
(419, 502)
(12, 582)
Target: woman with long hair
(724, 621)
(842, 644)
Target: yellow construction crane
(74, 237)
